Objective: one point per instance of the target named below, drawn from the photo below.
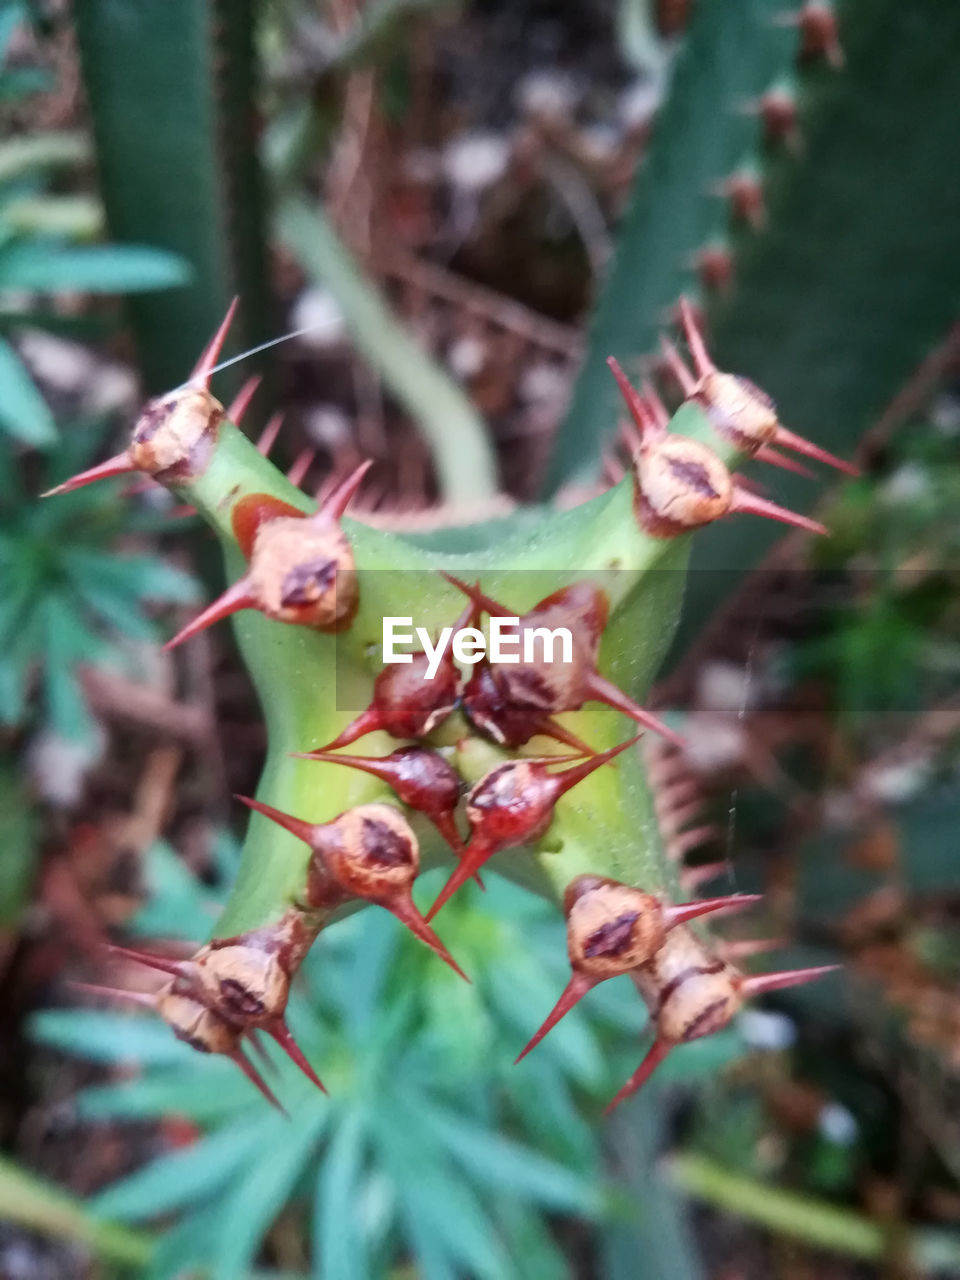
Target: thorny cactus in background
(601, 828)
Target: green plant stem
(464, 459)
(805, 1218)
(605, 825)
(37, 1205)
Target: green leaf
(49, 149)
(183, 1178)
(138, 577)
(176, 906)
(110, 1037)
(507, 1166)
(455, 432)
(23, 410)
(339, 1249)
(39, 1206)
(10, 18)
(53, 268)
(18, 847)
(249, 1210)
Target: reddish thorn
(211, 352)
(165, 964)
(241, 401)
(760, 983)
(260, 1050)
(743, 948)
(612, 469)
(281, 1033)
(336, 503)
(118, 466)
(551, 728)
(693, 877)
(637, 406)
(407, 913)
(476, 855)
(686, 380)
(140, 998)
(684, 841)
(698, 349)
(268, 437)
(570, 777)
(789, 440)
(234, 599)
(752, 504)
(448, 829)
(603, 690)
(369, 764)
(368, 721)
(256, 1079)
(658, 1051)
(479, 598)
(573, 992)
(296, 826)
(777, 459)
(656, 406)
(673, 916)
(751, 485)
(629, 438)
(139, 487)
(680, 814)
(301, 465)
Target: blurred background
(462, 208)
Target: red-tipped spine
(776, 459)
(759, 984)
(368, 721)
(789, 440)
(751, 504)
(117, 466)
(257, 1080)
(573, 993)
(690, 910)
(570, 777)
(639, 409)
(164, 964)
(235, 598)
(241, 402)
(698, 348)
(604, 690)
(658, 1051)
(296, 826)
(281, 1033)
(211, 353)
(405, 911)
(334, 506)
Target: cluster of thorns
(301, 571)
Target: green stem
(464, 459)
(35, 1204)
(805, 1218)
(605, 825)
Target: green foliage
(38, 257)
(418, 1067)
(32, 1202)
(839, 297)
(18, 849)
(457, 436)
(69, 597)
(171, 86)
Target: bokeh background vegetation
(465, 207)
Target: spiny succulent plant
(604, 836)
